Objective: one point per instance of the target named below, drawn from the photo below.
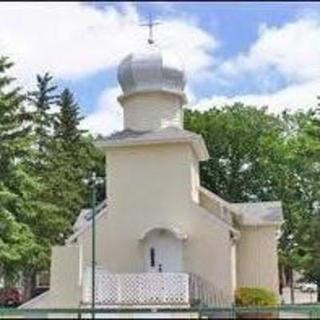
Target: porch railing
(150, 289)
(202, 292)
(138, 289)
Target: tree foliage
(242, 145)
(257, 156)
(308, 246)
(44, 158)
(42, 99)
(18, 246)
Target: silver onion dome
(151, 69)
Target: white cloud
(290, 51)
(191, 97)
(108, 115)
(72, 40)
(293, 50)
(294, 97)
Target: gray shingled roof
(166, 133)
(260, 212)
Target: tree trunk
(318, 293)
(291, 285)
(28, 285)
(282, 279)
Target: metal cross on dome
(150, 24)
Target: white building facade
(162, 239)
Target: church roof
(259, 213)
(152, 69)
(165, 135)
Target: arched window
(152, 257)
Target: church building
(161, 238)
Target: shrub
(10, 297)
(255, 296)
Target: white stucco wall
(152, 111)
(209, 250)
(257, 259)
(65, 282)
(152, 186)
(195, 179)
(155, 186)
(66, 276)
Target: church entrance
(162, 252)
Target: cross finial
(150, 24)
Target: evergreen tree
(42, 100)
(67, 121)
(51, 221)
(18, 246)
(45, 221)
(71, 157)
(44, 158)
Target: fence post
(233, 308)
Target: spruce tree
(67, 121)
(43, 160)
(42, 100)
(18, 245)
(69, 160)
(46, 222)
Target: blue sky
(258, 53)
(234, 24)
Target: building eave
(197, 144)
(200, 146)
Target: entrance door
(163, 252)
